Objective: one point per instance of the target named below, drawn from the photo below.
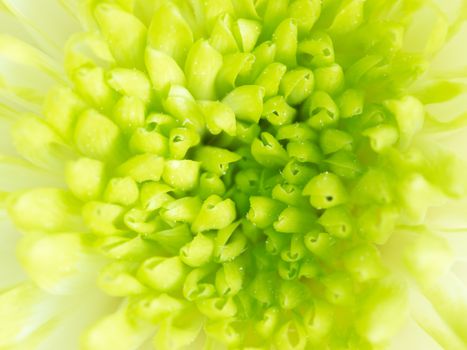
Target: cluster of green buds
(237, 165)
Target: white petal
(11, 272)
(88, 308)
(47, 20)
(412, 336)
(451, 59)
(17, 174)
(26, 71)
(433, 324)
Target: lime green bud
(172, 239)
(170, 33)
(363, 263)
(291, 294)
(382, 137)
(155, 308)
(417, 196)
(61, 108)
(246, 132)
(143, 140)
(297, 173)
(297, 85)
(304, 152)
(229, 279)
(219, 117)
(409, 114)
(288, 194)
(85, 178)
(323, 112)
(44, 209)
(344, 164)
(375, 186)
(163, 274)
(305, 13)
(264, 211)
(97, 136)
(185, 209)
(222, 37)
(116, 279)
(428, 258)
(209, 184)
(143, 167)
(263, 56)
(285, 38)
(288, 270)
(129, 113)
(274, 13)
(130, 82)
(319, 243)
(181, 104)
(295, 220)
(333, 140)
(229, 243)
(38, 143)
(268, 152)
(154, 194)
(162, 123)
(125, 34)
(181, 140)
(215, 160)
(309, 269)
(225, 332)
(198, 252)
(87, 49)
(376, 224)
(278, 112)
(246, 102)
(201, 68)
(350, 15)
(103, 218)
(121, 190)
(329, 79)
(180, 331)
(194, 288)
(217, 308)
(58, 263)
(102, 334)
(270, 78)
(215, 214)
(382, 312)
(140, 221)
(316, 51)
(263, 288)
(267, 324)
(290, 336)
(245, 8)
(351, 103)
(181, 174)
(325, 190)
(296, 132)
(124, 247)
(318, 320)
(163, 70)
(247, 180)
(92, 86)
(247, 32)
(337, 222)
(339, 289)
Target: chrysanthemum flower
(233, 174)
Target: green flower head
(233, 174)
